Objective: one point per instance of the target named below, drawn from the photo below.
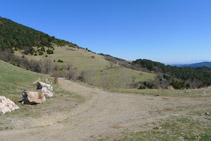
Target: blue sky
(169, 31)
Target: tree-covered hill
(17, 36)
(188, 75)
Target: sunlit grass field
(98, 71)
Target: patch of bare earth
(103, 113)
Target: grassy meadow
(13, 80)
(97, 70)
(203, 92)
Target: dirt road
(103, 113)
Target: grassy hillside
(63, 58)
(13, 80)
(96, 69)
(80, 59)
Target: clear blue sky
(161, 30)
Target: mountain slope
(196, 65)
(94, 68)
(188, 76)
(14, 35)
(13, 80)
(37, 51)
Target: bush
(42, 49)
(148, 85)
(60, 61)
(49, 51)
(179, 85)
(141, 87)
(40, 53)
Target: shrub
(40, 53)
(42, 49)
(60, 61)
(141, 87)
(49, 51)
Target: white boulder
(30, 97)
(47, 89)
(6, 105)
(47, 92)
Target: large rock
(6, 105)
(30, 97)
(40, 85)
(47, 92)
(47, 89)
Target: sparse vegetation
(176, 128)
(97, 72)
(203, 92)
(60, 61)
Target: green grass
(79, 58)
(13, 80)
(116, 77)
(164, 92)
(98, 71)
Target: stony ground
(101, 114)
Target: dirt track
(103, 113)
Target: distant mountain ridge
(196, 65)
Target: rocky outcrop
(30, 97)
(6, 105)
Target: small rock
(207, 113)
(157, 128)
(47, 89)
